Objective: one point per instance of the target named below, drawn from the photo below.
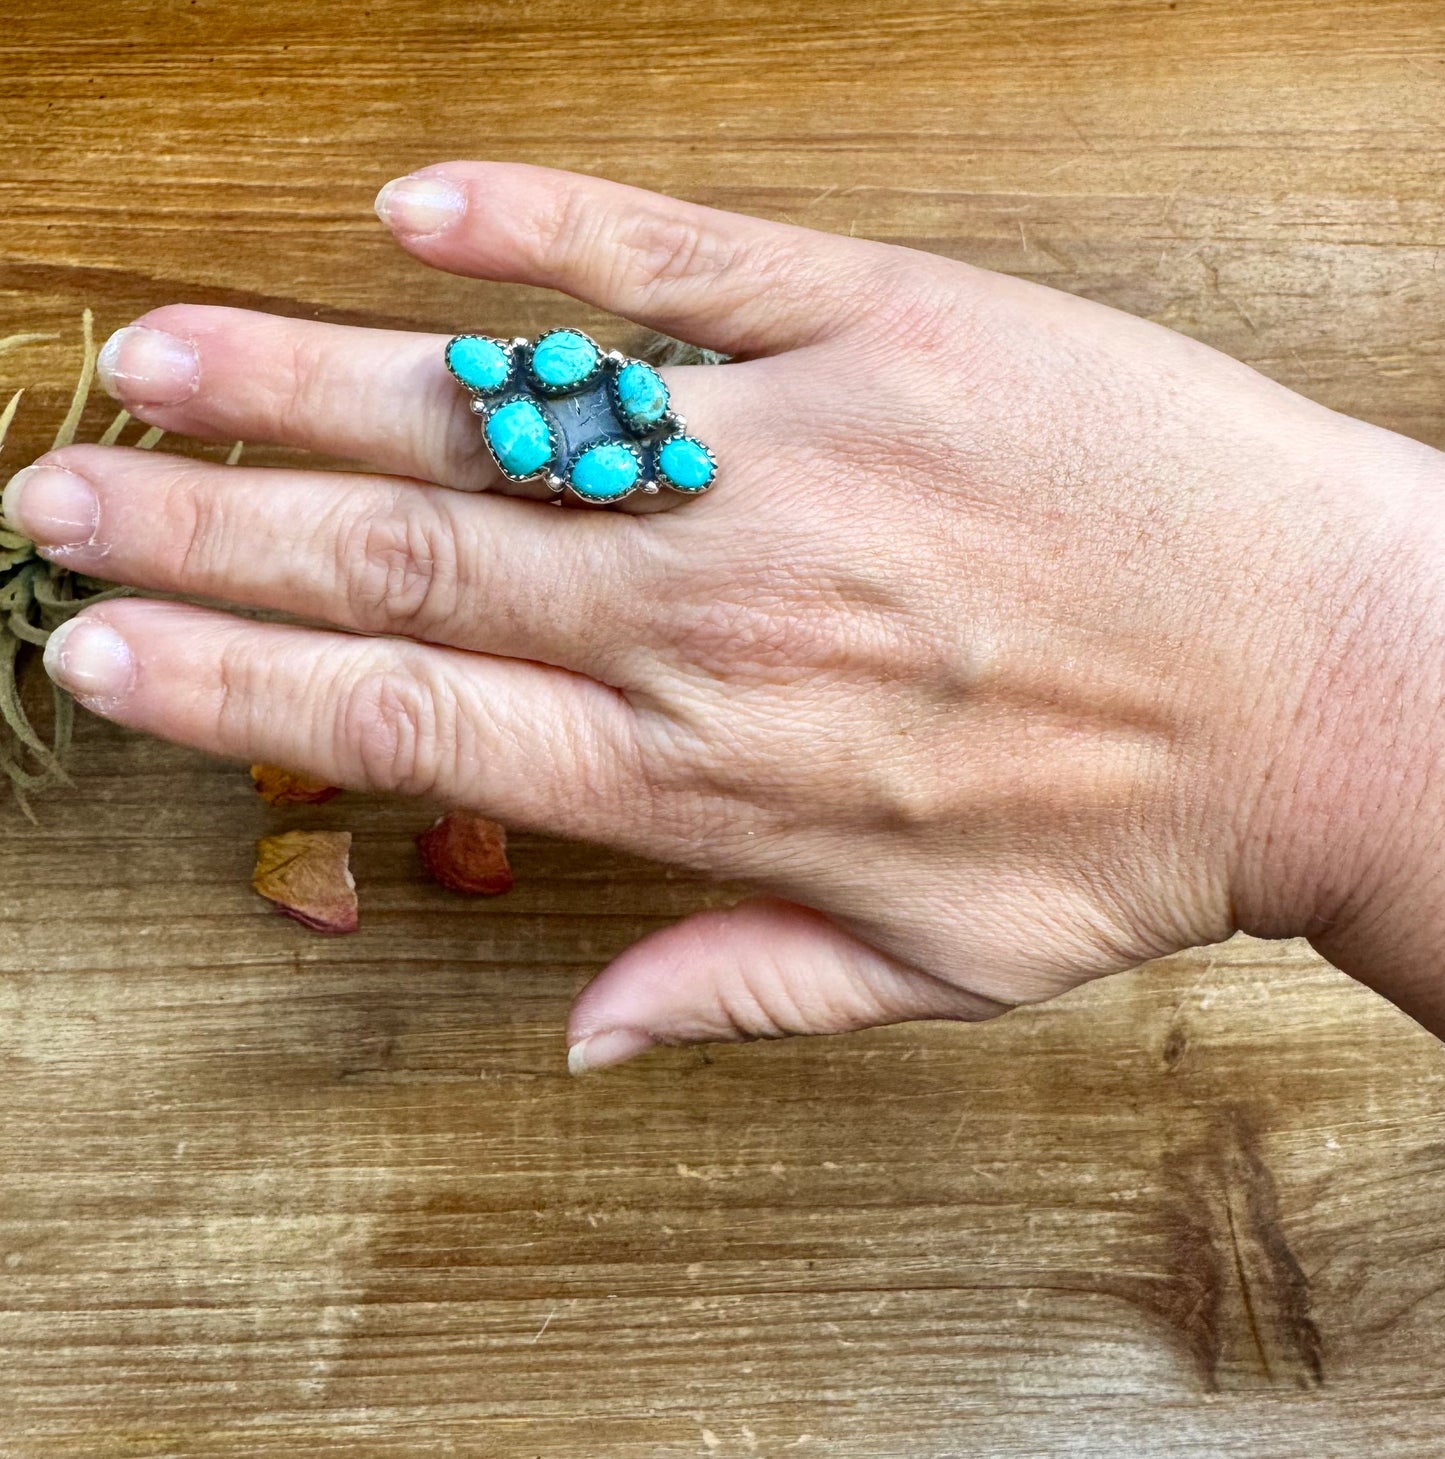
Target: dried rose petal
(277, 786)
(307, 876)
(467, 853)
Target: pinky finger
(536, 746)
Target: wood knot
(1238, 1294)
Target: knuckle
(399, 570)
(565, 232)
(303, 392)
(658, 249)
(196, 521)
(398, 730)
(771, 621)
(736, 640)
(894, 294)
(645, 249)
(238, 701)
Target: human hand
(1012, 647)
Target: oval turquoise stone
(605, 472)
(480, 364)
(564, 359)
(520, 438)
(685, 463)
(641, 395)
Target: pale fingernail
(143, 366)
(419, 206)
(90, 660)
(610, 1047)
(52, 507)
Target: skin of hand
(1020, 641)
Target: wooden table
(268, 1194)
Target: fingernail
(142, 366)
(91, 660)
(51, 506)
(419, 206)
(611, 1047)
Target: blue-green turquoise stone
(641, 396)
(518, 434)
(606, 471)
(564, 359)
(684, 463)
(480, 364)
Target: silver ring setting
(593, 424)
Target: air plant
(36, 597)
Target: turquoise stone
(520, 437)
(641, 396)
(605, 472)
(563, 360)
(480, 364)
(686, 464)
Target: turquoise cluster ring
(586, 421)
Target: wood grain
(266, 1194)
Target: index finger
(741, 285)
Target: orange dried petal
(466, 852)
(308, 876)
(278, 786)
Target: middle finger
(373, 553)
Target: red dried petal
(308, 876)
(467, 853)
(277, 786)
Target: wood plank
(270, 1194)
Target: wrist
(1345, 842)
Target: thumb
(762, 969)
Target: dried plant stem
(14, 341)
(66, 434)
(8, 414)
(111, 434)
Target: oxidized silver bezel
(666, 480)
(551, 392)
(614, 398)
(640, 484)
(645, 443)
(507, 347)
(543, 473)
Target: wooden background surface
(267, 1194)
